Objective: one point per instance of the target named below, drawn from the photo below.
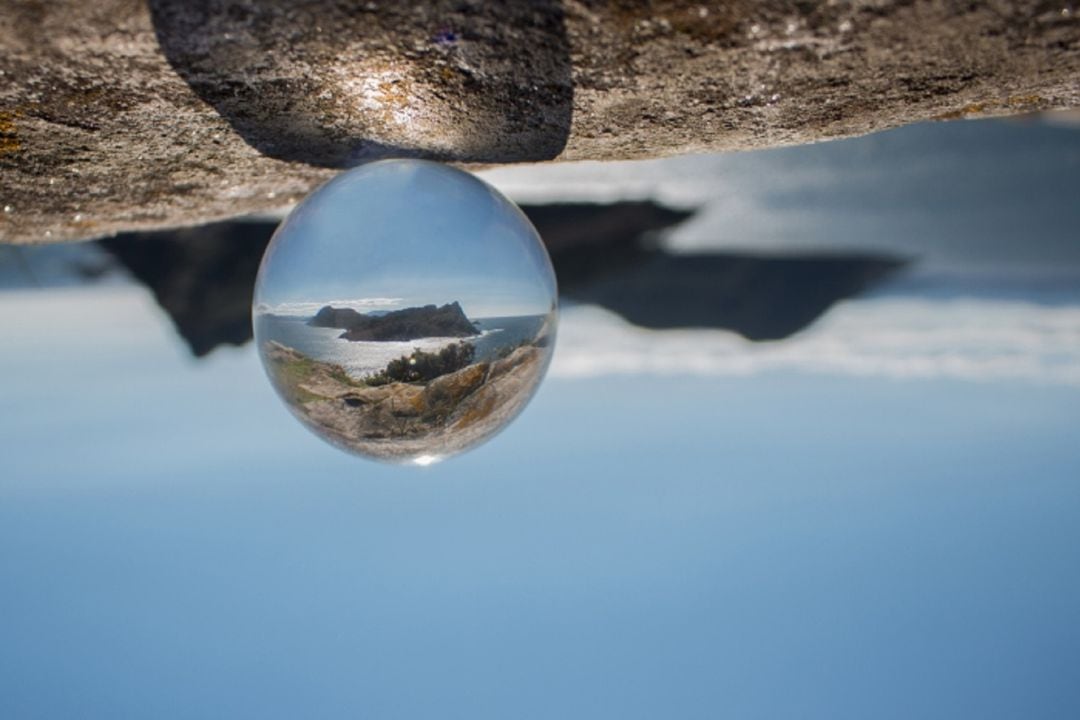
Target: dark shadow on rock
(337, 82)
(603, 254)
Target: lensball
(405, 311)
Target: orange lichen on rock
(9, 138)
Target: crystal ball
(405, 311)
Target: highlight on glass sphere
(405, 311)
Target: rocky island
(398, 325)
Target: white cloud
(898, 338)
(305, 309)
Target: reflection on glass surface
(877, 516)
(405, 311)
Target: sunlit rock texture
(126, 115)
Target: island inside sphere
(405, 311)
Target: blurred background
(808, 448)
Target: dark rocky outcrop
(761, 298)
(202, 277)
(607, 255)
(399, 325)
(569, 227)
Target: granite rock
(124, 115)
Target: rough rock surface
(400, 422)
(124, 115)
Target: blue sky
(786, 544)
(418, 232)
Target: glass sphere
(405, 311)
